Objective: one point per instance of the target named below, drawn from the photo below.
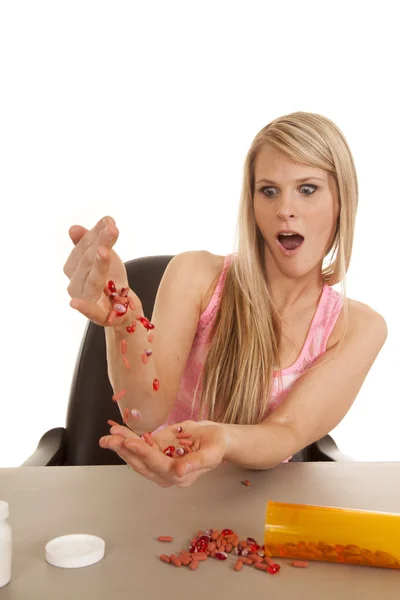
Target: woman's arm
(317, 402)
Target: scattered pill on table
(165, 538)
(165, 558)
(301, 564)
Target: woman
(256, 355)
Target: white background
(145, 111)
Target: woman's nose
(286, 210)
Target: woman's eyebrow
(301, 180)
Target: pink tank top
(326, 314)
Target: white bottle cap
(4, 510)
(73, 551)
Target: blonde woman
(256, 354)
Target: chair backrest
(90, 403)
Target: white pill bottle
(5, 545)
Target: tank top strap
(211, 307)
(326, 317)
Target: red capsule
(111, 287)
(156, 384)
(150, 326)
(169, 449)
(148, 352)
(226, 532)
(143, 321)
(179, 429)
(221, 555)
(273, 569)
(254, 548)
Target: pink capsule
(126, 362)
(150, 338)
(120, 309)
(301, 564)
(168, 453)
(135, 414)
(180, 451)
(148, 352)
(112, 315)
(179, 429)
(119, 395)
(124, 346)
(126, 415)
(147, 439)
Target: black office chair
(90, 404)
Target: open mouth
(290, 241)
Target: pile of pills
(217, 544)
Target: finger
(105, 231)
(192, 462)
(124, 432)
(89, 310)
(97, 277)
(140, 467)
(154, 459)
(186, 481)
(81, 238)
(111, 442)
(76, 232)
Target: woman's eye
(312, 187)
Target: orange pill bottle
(339, 535)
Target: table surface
(129, 512)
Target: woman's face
(282, 203)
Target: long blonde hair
(243, 345)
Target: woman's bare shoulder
(360, 315)
(209, 268)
